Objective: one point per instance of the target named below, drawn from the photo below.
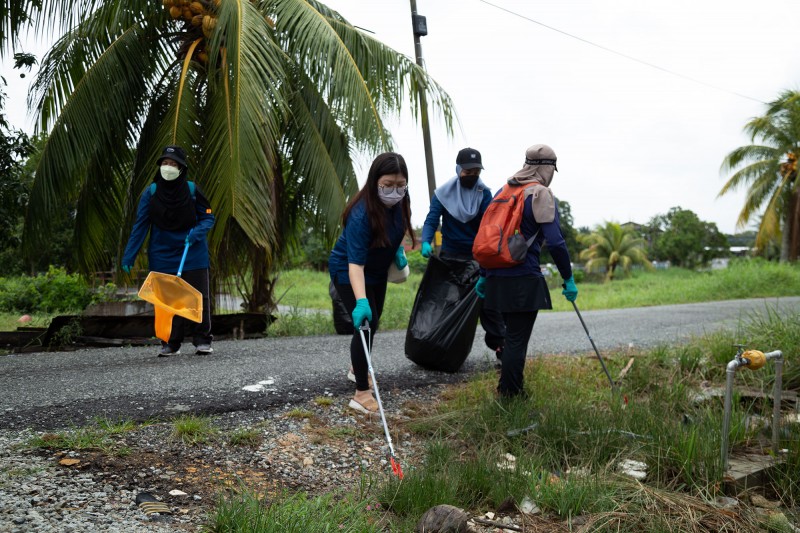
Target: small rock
(443, 519)
(176, 492)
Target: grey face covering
(390, 197)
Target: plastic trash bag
(342, 321)
(445, 315)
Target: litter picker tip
(602, 363)
(396, 469)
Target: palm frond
(76, 140)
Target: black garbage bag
(445, 315)
(342, 321)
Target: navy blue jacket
(353, 246)
(457, 236)
(165, 248)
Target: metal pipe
(776, 398)
(730, 372)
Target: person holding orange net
(177, 216)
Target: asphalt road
(53, 390)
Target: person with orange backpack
(521, 217)
(460, 204)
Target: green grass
(248, 437)
(193, 430)
(96, 436)
(303, 290)
(576, 432)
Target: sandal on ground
(369, 407)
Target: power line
(626, 56)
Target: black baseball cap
(469, 158)
(176, 153)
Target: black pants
(519, 326)
(376, 295)
(201, 333)
(491, 320)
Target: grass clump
(96, 436)
(249, 437)
(193, 429)
(294, 513)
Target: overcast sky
(632, 140)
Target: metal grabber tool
(613, 385)
(364, 331)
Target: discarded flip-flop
(150, 505)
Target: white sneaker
(204, 349)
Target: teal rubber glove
(479, 287)
(400, 260)
(570, 291)
(126, 269)
(361, 313)
(426, 250)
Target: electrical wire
(623, 55)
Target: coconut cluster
(199, 18)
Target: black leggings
(519, 327)
(376, 294)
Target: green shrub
(54, 291)
(416, 263)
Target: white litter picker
(364, 331)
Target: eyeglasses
(399, 189)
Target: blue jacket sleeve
(358, 235)
(205, 218)
(139, 230)
(557, 246)
(432, 220)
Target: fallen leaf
(69, 462)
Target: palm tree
(611, 246)
(269, 97)
(769, 169)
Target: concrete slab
(748, 472)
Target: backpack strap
(191, 189)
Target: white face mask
(170, 173)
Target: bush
(416, 263)
(54, 291)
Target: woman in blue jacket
(519, 292)
(375, 222)
(175, 212)
(460, 204)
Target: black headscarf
(172, 207)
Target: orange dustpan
(171, 295)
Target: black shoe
(167, 351)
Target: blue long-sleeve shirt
(165, 248)
(457, 236)
(549, 232)
(353, 246)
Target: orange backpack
(499, 244)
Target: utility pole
(420, 27)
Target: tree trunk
(793, 225)
(785, 241)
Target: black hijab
(172, 207)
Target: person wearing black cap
(460, 204)
(175, 212)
